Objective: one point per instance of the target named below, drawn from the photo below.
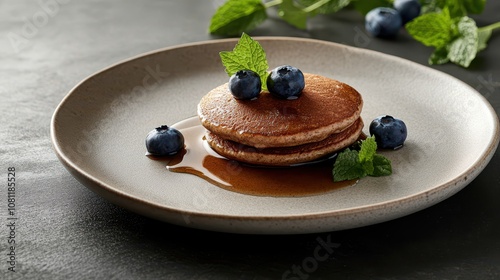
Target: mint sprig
(248, 54)
(434, 29)
(294, 15)
(237, 16)
(457, 8)
(443, 24)
(351, 164)
(457, 40)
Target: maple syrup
(199, 159)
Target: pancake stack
(277, 132)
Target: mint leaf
(323, 6)
(334, 6)
(439, 56)
(368, 149)
(237, 16)
(432, 29)
(347, 166)
(248, 54)
(351, 164)
(432, 6)
(366, 153)
(457, 8)
(463, 49)
(456, 39)
(296, 12)
(483, 35)
(381, 166)
(292, 14)
(474, 6)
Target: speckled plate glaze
(99, 128)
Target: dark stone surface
(65, 231)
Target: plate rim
(123, 199)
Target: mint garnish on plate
(248, 54)
(351, 164)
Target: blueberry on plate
(383, 22)
(408, 9)
(285, 82)
(164, 141)
(390, 133)
(245, 84)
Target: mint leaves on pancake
(248, 54)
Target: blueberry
(245, 84)
(285, 82)
(164, 141)
(390, 133)
(408, 9)
(383, 22)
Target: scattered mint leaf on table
(237, 16)
(456, 40)
(443, 24)
(457, 8)
(248, 54)
(474, 6)
(351, 164)
(293, 14)
(484, 34)
(432, 29)
(296, 12)
(314, 7)
(464, 48)
(439, 56)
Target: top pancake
(325, 106)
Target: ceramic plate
(99, 128)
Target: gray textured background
(65, 231)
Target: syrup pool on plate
(199, 159)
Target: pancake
(325, 107)
(284, 156)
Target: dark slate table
(65, 231)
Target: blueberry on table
(390, 133)
(245, 84)
(383, 22)
(408, 9)
(285, 82)
(164, 141)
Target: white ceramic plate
(99, 128)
